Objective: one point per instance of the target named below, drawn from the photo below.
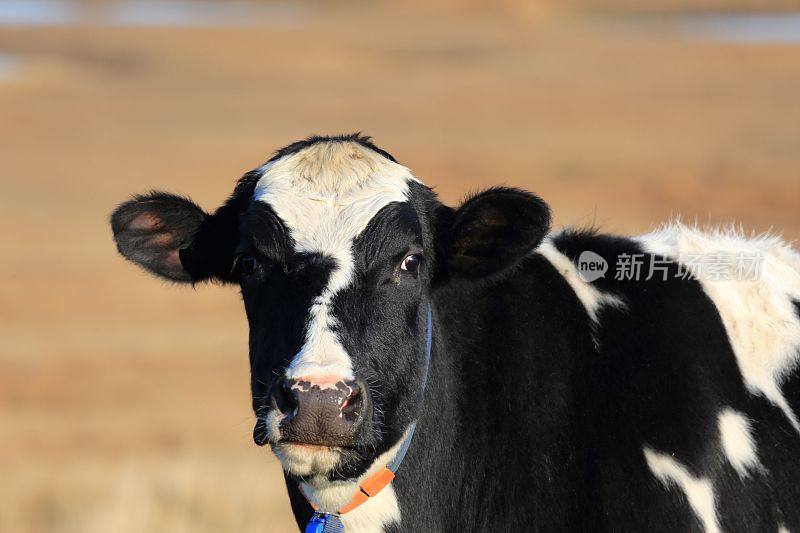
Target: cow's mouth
(307, 459)
(313, 446)
(308, 445)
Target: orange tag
(371, 486)
(376, 482)
(357, 500)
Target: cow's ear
(491, 231)
(172, 237)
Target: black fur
(535, 416)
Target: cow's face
(337, 250)
(331, 261)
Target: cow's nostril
(285, 397)
(353, 405)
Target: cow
(417, 367)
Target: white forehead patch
(326, 194)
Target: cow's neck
(502, 408)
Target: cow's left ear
(491, 231)
(173, 238)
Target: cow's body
(623, 409)
(555, 403)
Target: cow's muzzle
(322, 411)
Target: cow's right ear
(173, 238)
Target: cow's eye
(411, 263)
(246, 265)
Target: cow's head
(337, 249)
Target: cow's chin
(304, 460)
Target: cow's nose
(322, 411)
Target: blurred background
(124, 401)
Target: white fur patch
(591, 298)
(698, 491)
(737, 441)
(326, 195)
(371, 516)
(273, 425)
(759, 316)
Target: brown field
(124, 402)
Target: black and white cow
(557, 398)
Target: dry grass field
(124, 403)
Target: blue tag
(316, 524)
(324, 523)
